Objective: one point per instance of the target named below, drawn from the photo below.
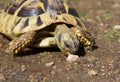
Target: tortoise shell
(22, 20)
(30, 15)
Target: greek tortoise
(43, 23)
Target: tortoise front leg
(84, 37)
(18, 44)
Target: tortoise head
(66, 40)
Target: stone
(49, 64)
(92, 73)
(116, 27)
(23, 68)
(2, 77)
(72, 58)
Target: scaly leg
(84, 37)
(18, 44)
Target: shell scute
(25, 8)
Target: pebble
(72, 58)
(32, 78)
(2, 77)
(49, 64)
(1, 44)
(53, 72)
(116, 27)
(92, 73)
(90, 58)
(118, 52)
(23, 68)
(119, 40)
(116, 5)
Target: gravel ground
(102, 19)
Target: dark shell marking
(28, 8)
(39, 21)
(31, 8)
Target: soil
(50, 65)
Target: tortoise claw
(88, 48)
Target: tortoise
(43, 23)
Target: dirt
(50, 65)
